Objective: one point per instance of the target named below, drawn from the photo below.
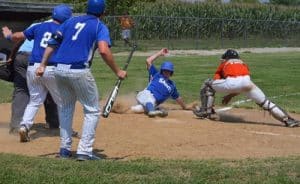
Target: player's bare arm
(41, 69)
(152, 58)
(107, 56)
(9, 35)
(14, 51)
(180, 101)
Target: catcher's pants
(78, 84)
(38, 89)
(241, 84)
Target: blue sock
(149, 107)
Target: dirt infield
(240, 133)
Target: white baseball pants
(242, 84)
(38, 88)
(78, 84)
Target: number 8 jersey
(40, 33)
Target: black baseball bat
(113, 95)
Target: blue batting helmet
(61, 13)
(167, 65)
(95, 7)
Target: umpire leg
(51, 112)
(20, 94)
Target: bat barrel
(109, 104)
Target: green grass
(6, 89)
(21, 169)
(276, 74)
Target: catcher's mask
(230, 54)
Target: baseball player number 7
(113, 95)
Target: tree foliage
(286, 2)
(116, 7)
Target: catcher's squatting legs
(278, 113)
(207, 98)
(254, 93)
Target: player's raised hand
(6, 31)
(164, 51)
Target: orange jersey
(126, 22)
(231, 68)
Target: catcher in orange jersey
(233, 77)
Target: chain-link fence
(206, 33)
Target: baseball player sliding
(159, 89)
(75, 42)
(233, 77)
(39, 87)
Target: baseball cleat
(291, 123)
(81, 157)
(65, 153)
(137, 108)
(203, 114)
(160, 113)
(23, 132)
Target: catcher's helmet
(167, 65)
(61, 13)
(95, 7)
(230, 54)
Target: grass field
(276, 74)
(19, 169)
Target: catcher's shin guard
(207, 97)
(278, 113)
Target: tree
(286, 2)
(115, 7)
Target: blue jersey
(40, 33)
(80, 36)
(161, 87)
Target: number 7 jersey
(80, 36)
